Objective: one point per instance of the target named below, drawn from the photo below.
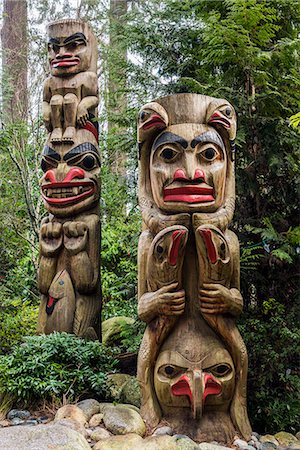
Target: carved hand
(165, 301)
(75, 236)
(51, 238)
(82, 115)
(218, 299)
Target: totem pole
(192, 364)
(70, 236)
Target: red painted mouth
(156, 121)
(216, 118)
(64, 194)
(189, 194)
(67, 62)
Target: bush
(53, 366)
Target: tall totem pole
(70, 236)
(192, 363)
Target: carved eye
(220, 370)
(160, 249)
(169, 370)
(227, 112)
(89, 162)
(47, 164)
(144, 115)
(209, 153)
(169, 154)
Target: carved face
(71, 181)
(188, 169)
(68, 55)
(207, 383)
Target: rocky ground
(107, 426)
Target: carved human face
(198, 385)
(68, 55)
(188, 169)
(70, 183)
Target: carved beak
(196, 385)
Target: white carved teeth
(65, 192)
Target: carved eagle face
(70, 183)
(188, 169)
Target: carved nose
(199, 175)
(179, 174)
(62, 54)
(50, 176)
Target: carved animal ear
(152, 119)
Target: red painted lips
(189, 194)
(67, 62)
(64, 194)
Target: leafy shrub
(53, 366)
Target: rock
(99, 433)
(267, 446)
(116, 382)
(71, 412)
(255, 434)
(18, 413)
(241, 444)
(254, 437)
(104, 405)
(298, 435)
(209, 446)
(286, 439)
(42, 437)
(90, 407)
(159, 443)
(131, 392)
(126, 442)
(17, 421)
(294, 446)
(163, 430)
(74, 425)
(268, 438)
(111, 328)
(185, 443)
(96, 420)
(43, 419)
(120, 419)
(31, 422)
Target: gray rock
(286, 439)
(254, 437)
(267, 445)
(89, 407)
(99, 433)
(71, 412)
(268, 438)
(126, 442)
(131, 392)
(42, 437)
(120, 419)
(111, 328)
(18, 413)
(186, 443)
(163, 442)
(163, 430)
(104, 405)
(241, 444)
(73, 425)
(209, 446)
(31, 422)
(17, 421)
(95, 420)
(298, 435)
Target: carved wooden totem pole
(70, 236)
(192, 363)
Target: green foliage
(272, 338)
(295, 120)
(131, 336)
(53, 366)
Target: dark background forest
(244, 51)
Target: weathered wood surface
(70, 236)
(192, 363)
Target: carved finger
(209, 286)
(210, 304)
(66, 227)
(56, 229)
(177, 308)
(210, 311)
(209, 294)
(168, 288)
(81, 228)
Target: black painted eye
(47, 165)
(228, 111)
(168, 153)
(209, 153)
(88, 162)
(220, 370)
(143, 115)
(169, 370)
(160, 249)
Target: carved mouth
(67, 62)
(219, 119)
(189, 194)
(156, 121)
(63, 194)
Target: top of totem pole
(64, 34)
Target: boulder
(89, 407)
(163, 430)
(125, 388)
(207, 446)
(126, 442)
(159, 443)
(74, 425)
(104, 405)
(71, 412)
(96, 420)
(42, 437)
(286, 439)
(185, 443)
(99, 433)
(18, 414)
(268, 438)
(111, 328)
(120, 419)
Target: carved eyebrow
(53, 41)
(87, 147)
(169, 138)
(75, 37)
(209, 136)
(48, 151)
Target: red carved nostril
(199, 175)
(179, 175)
(75, 172)
(182, 387)
(50, 176)
(212, 386)
(176, 240)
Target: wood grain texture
(192, 364)
(69, 269)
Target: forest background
(244, 51)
